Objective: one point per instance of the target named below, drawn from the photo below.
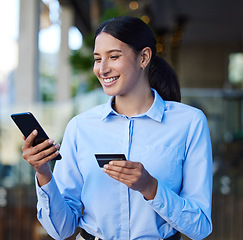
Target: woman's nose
(104, 68)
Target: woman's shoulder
(92, 113)
(86, 118)
(180, 110)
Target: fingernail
(35, 132)
(51, 141)
(57, 146)
(111, 162)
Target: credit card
(103, 159)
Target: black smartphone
(27, 123)
(103, 159)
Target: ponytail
(164, 79)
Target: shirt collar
(108, 108)
(157, 109)
(155, 112)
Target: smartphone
(103, 159)
(27, 123)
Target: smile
(109, 80)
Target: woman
(165, 187)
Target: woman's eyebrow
(110, 51)
(114, 50)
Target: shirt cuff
(48, 194)
(163, 201)
(157, 201)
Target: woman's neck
(131, 105)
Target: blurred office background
(46, 68)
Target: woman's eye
(97, 59)
(114, 57)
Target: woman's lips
(109, 81)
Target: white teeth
(108, 80)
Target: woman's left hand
(134, 175)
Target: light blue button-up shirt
(171, 140)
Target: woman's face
(116, 66)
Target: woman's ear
(146, 55)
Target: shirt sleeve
(59, 205)
(190, 211)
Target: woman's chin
(109, 91)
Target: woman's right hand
(39, 156)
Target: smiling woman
(168, 171)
